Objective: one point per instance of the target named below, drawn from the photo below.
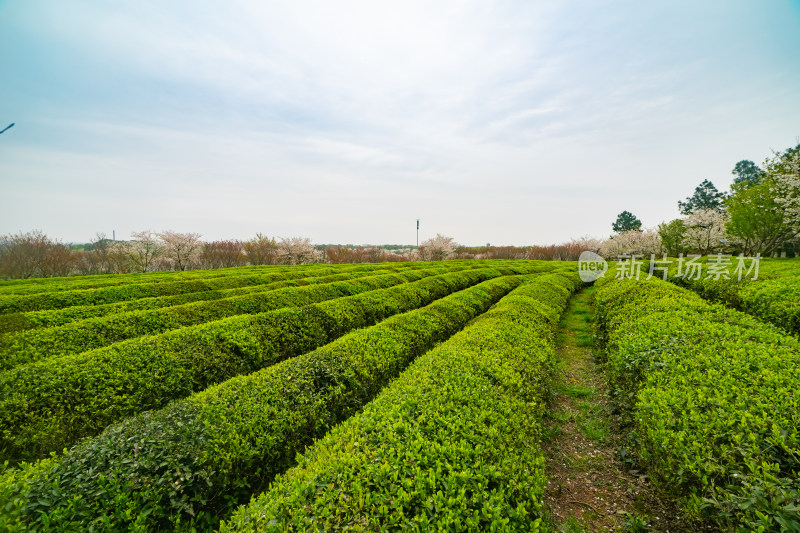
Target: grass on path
(590, 489)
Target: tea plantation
(382, 397)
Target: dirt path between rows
(590, 488)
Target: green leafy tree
(706, 196)
(672, 236)
(626, 221)
(747, 173)
(757, 221)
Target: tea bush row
(93, 333)
(133, 291)
(11, 323)
(97, 281)
(191, 463)
(773, 300)
(451, 445)
(774, 296)
(50, 404)
(712, 396)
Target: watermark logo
(591, 267)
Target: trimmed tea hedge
(713, 396)
(189, 464)
(10, 323)
(33, 286)
(92, 333)
(133, 291)
(48, 405)
(452, 445)
(97, 281)
(55, 299)
(774, 297)
(95, 333)
(40, 285)
(773, 300)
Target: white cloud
(343, 121)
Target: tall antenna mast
(417, 233)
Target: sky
(503, 122)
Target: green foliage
(672, 234)
(747, 174)
(98, 281)
(60, 293)
(15, 484)
(711, 393)
(192, 462)
(573, 525)
(781, 162)
(451, 445)
(160, 454)
(129, 291)
(14, 322)
(757, 220)
(706, 196)
(48, 405)
(626, 221)
(93, 333)
(774, 297)
(634, 524)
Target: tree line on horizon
(759, 215)
(34, 254)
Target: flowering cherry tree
(785, 172)
(437, 248)
(705, 231)
(182, 249)
(298, 251)
(639, 242)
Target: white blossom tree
(298, 251)
(784, 171)
(586, 242)
(181, 249)
(705, 231)
(120, 255)
(437, 248)
(640, 242)
(143, 249)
